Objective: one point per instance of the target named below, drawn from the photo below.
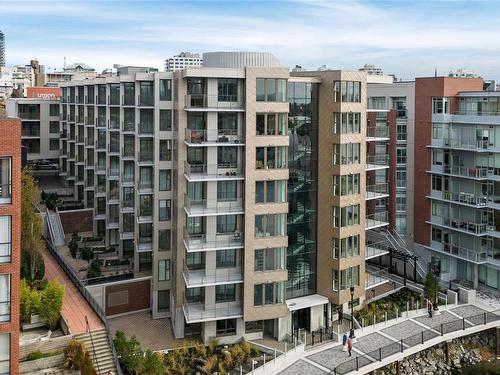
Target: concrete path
(371, 346)
(75, 307)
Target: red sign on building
(48, 93)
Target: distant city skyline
(407, 39)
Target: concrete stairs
(100, 353)
(56, 230)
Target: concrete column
(475, 276)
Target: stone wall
(464, 351)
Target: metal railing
(375, 276)
(200, 241)
(199, 311)
(212, 275)
(208, 170)
(376, 219)
(372, 191)
(474, 172)
(213, 101)
(464, 253)
(467, 198)
(420, 338)
(87, 329)
(465, 225)
(476, 113)
(377, 131)
(207, 206)
(195, 136)
(373, 249)
(377, 160)
(88, 297)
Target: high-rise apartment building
(39, 71)
(182, 61)
(2, 49)
(457, 159)
(10, 243)
(238, 187)
(40, 123)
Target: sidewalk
(75, 307)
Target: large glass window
(129, 119)
(101, 94)
(226, 258)
(165, 119)
(225, 293)
(227, 190)
(269, 294)
(346, 247)
(164, 236)
(165, 89)
(165, 209)
(165, 150)
(226, 224)
(4, 353)
(270, 191)
(346, 184)
(345, 216)
(164, 270)
(114, 94)
(146, 93)
(227, 157)
(347, 91)
(227, 123)
(129, 93)
(226, 327)
(270, 225)
(163, 300)
(346, 153)
(270, 259)
(271, 157)
(227, 89)
(271, 90)
(271, 123)
(349, 277)
(165, 177)
(5, 298)
(5, 180)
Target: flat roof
(306, 301)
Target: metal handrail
(87, 329)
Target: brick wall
(10, 145)
(79, 220)
(127, 297)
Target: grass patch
(33, 356)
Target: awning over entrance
(307, 301)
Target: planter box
(41, 364)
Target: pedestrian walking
(344, 343)
(429, 308)
(340, 314)
(349, 347)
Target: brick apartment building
(10, 243)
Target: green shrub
(73, 246)
(38, 355)
(26, 258)
(87, 254)
(73, 355)
(51, 299)
(29, 301)
(94, 270)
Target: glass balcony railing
(212, 206)
(211, 276)
(378, 219)
(199, 312)
(213, 136)
(377, 191)
(467, 225)
(213, 101)
(220, 171)
(377, 161)
(466, 198)
(200, 242)
(373, 132)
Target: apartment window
(346, 247)
(165, 150)
(335, 280)
(400, 179)
(165, 89)
(146, 121)
(401, 155)
(101, 117)
(227, 89)
(226, 224)
(401, 130)
(253, 327)
(146, 93)
(227, 157)
(114, 94)
(225, 293)
(346, 185)
(227, 123)
(101, 94)
(271, 90)
(129, 119)
(54, 144)
(129, 93)
(349, 277)
(127, 220)
(226, 327)
(269, 294)
(163, 301)
(270, 259)
(226, 258)
(437, 182)
(346, 153)
(270, 225)
(440, 105)
(114, 118)
(271, 157)
(400, 203)
(377, 103)
(164, 270)
(437, 157)
(271, 123)
(347, 91)
(227, 190)
(54, 127)
(165, 120)
(164, 236)
(146, 205)
(270, 191)
(5, 180)
(165, 210)
(5, 298)
(4, 353)
(346, 123)
(54, 110)
(345, 216)
(165, 177)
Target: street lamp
(436, 275)
(351, 334)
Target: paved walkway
(75, 307)
(154, 334)
(385, 342)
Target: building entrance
(302, 319)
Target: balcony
(467, 199)
(376, 249)
(375, 277)
(377, 220)
(461, 252)
(213, 137)
(374, 162)
(212, 172)
(199, 312)
(459, 171)
(114, 174)
(377, 133)
(377, 191)
(204, 242)
(210, 277)
(202, 102)
(145, 158)
(207, 207)
(145, 244)
(481, 145)
(465, 226)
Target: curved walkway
(75, 307)
(379, 346)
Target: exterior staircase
(96, 342)
(55, 227)
(399, 243)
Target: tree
(130, 353)
(31, 228)
(29, 301)
(153, 363)
(51, 300)
(430, 286)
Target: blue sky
(408, 38)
